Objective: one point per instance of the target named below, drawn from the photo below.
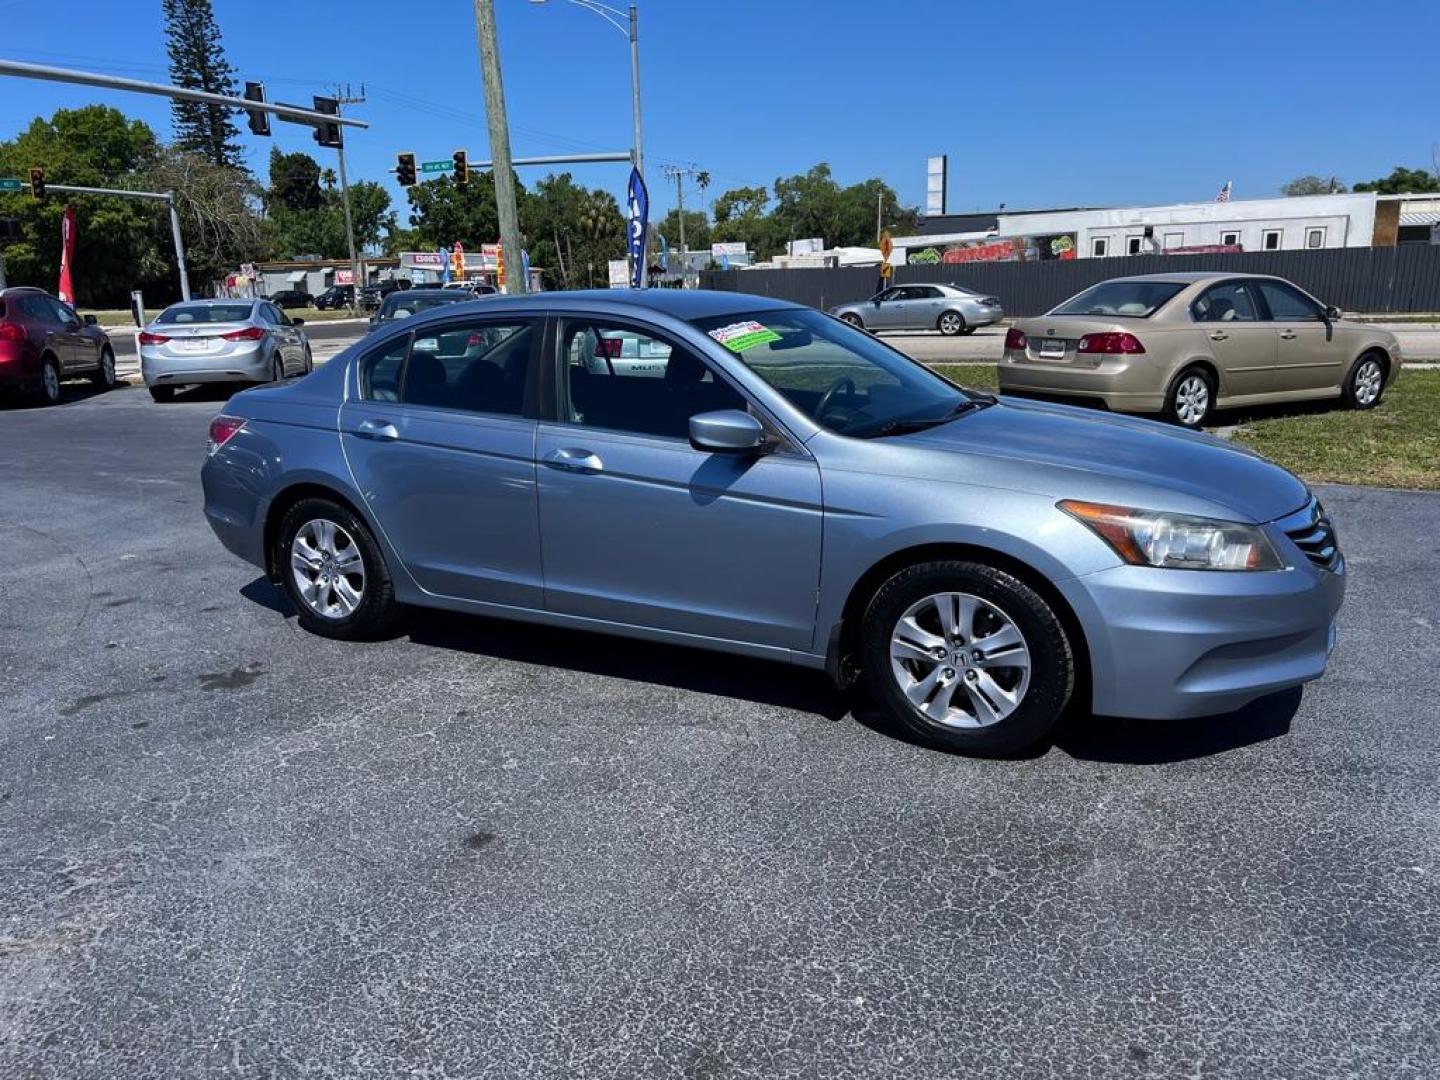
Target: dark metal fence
(1387, 279)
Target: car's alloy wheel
(960, 660)
(1367, 383)
(105, 377)
(333, 571)
(328, 569)
(49, 382)
(966, 657)
(1191, 399)
(951, 324)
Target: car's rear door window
(475, 365)
(1230, 301)
(626, 378)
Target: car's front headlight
(1152, 538)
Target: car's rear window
(1125, 299)
(182, 314)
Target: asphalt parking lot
(230, 848)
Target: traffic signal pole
(167, 197)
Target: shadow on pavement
(1081, 736)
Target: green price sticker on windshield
(737, 337)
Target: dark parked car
(371, 296)
(403, 303)
(43, 341)
(291, 298)
(335, 297)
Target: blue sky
(1040, 103)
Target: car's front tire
(853, 319)
(1365, 382)
(1191, 399)
(333, 572)
(967, 658)
(49, 389)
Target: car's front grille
(1314, 534)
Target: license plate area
(194, 345)
(1051, 349)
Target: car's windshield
(401, 305)
(842, 378)
(181, 314)
(1127, 299)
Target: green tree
(570, 231)
(197, 62)
(697, 229)
(116, 238)
(1403, 181)
(442, 211)
(370, 213)
(1312, 185)
(740, 216)
(294, 181)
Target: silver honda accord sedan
(206, 341)
(775, 483)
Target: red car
(43, 341)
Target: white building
(1279, 224)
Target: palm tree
(328, 177)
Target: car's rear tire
(49, 389)
(853, 319)
(1191, 400)
(1365, 382)
(104, 376)
(950, 323)
(333, 572)
(975, 699)
(162, 394)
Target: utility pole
(499, 142)
(679, 172)
(342, 99)
(879, 211)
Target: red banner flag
(66, 292)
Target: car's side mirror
(1332, 312)
(726, 431)
(90, 320)
(297, 322)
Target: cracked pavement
(228, 848)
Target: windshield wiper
(904, 427)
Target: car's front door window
(627, 379)
(1288, 304)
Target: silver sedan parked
(947, 308)
(206, 341)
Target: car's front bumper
(242, 365)
(1180, 643)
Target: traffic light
(328, 134)
(259, 118)
(405, 169)
(462, 168)
(37, 183)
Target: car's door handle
(1219, 335)
(572, 459)
(1287, 335)
(377, 429)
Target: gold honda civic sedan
(1183, 345)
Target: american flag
(1224, 195)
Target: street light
(628, 23)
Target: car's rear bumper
(1182, 643)
(250, 365)
(1122, 384)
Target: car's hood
(1102, 456)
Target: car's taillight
(1014, 339)
(222, 429)
(1110, 343)
(10, 331)
(250, 333)
(147, 338)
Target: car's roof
(436, 291)
(1190, 277)
(678, 303)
